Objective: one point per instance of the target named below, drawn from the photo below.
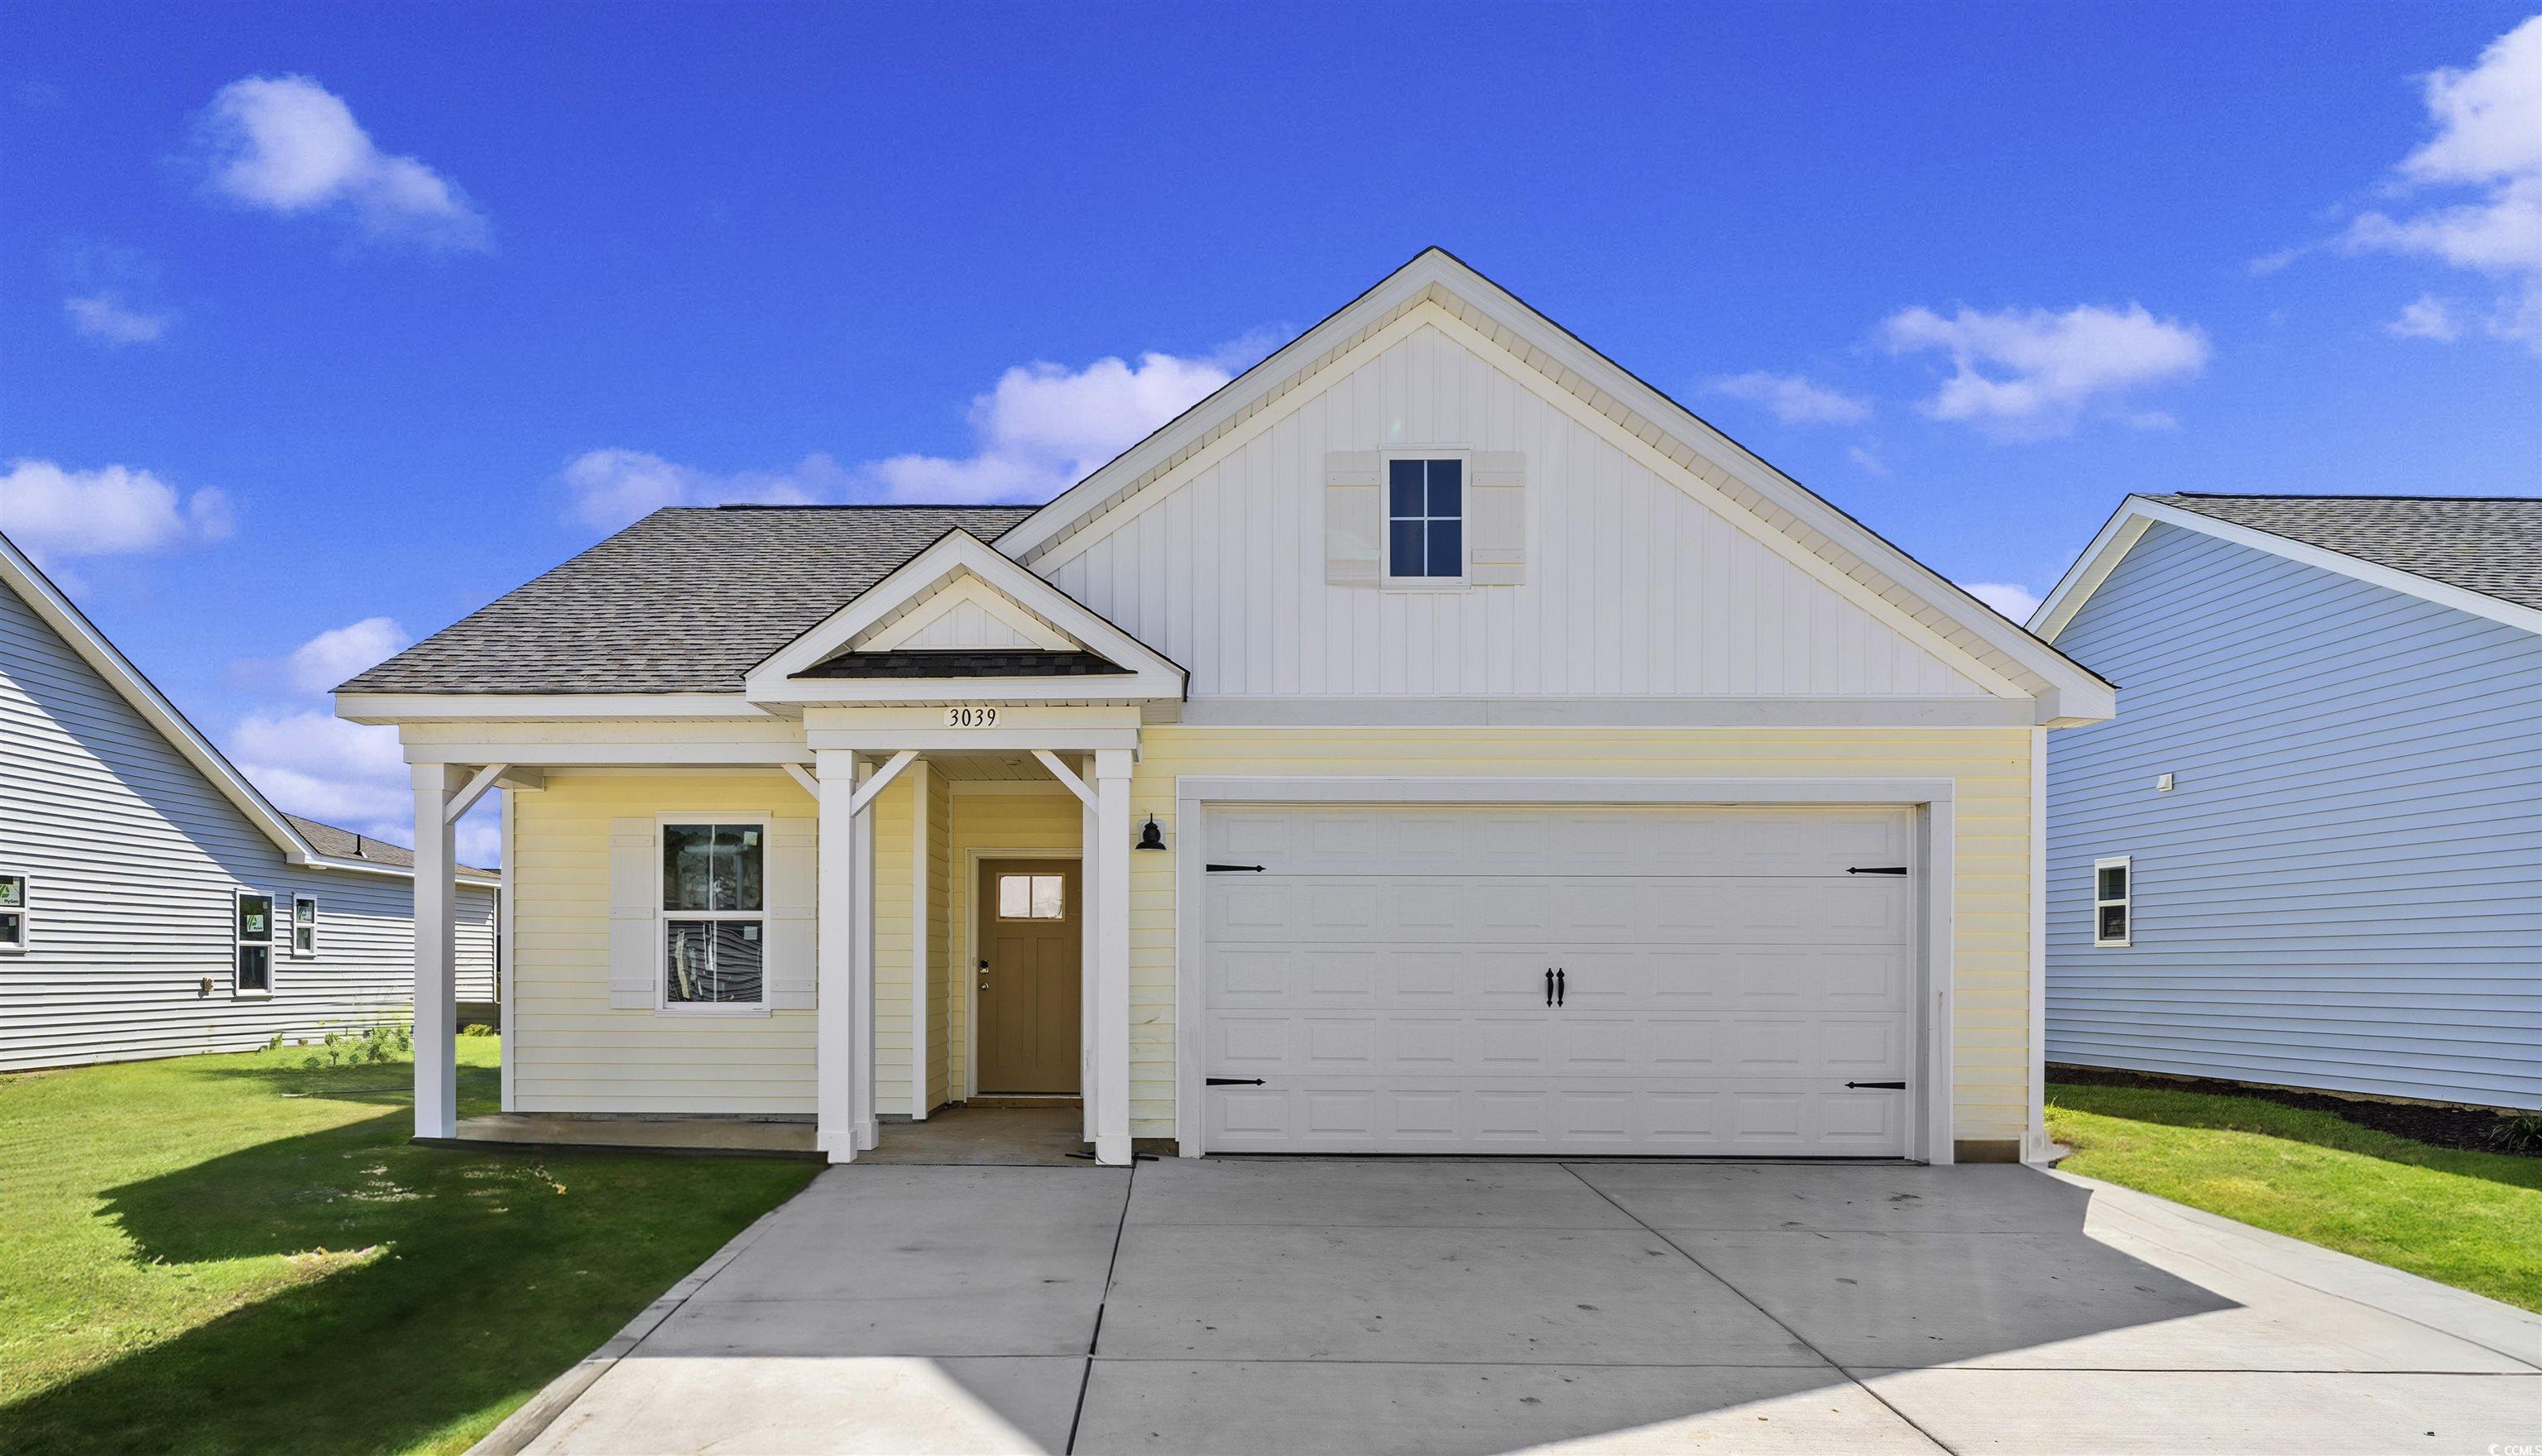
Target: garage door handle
(1548, 986)
(1230, 1081)
(1220, 869)
(1558, 991)
(1877, 869)
(1882, 1086)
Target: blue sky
(322, 325)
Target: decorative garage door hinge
(1883, 1087)
(1220, 869)
(1230, 1081)
(1877, 869)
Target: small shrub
(2519, 1133)
(313, 1061)
(481, 1029)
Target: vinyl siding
(1633, 587)
(2344, 889)
(569, 1050)
(1990, 924)
(134, 858)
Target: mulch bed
(2463, 1128)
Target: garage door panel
(1581, 842)
(1723, 979)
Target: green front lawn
(2470, 1220)
(243, 1254)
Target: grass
(241, 1254)
(2469, 1219)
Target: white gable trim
(955, 555)
(1909, 590)
(107, 661)
(2135, 514)
(967, 591)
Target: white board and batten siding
(1629, 587)
(2343, 889)
(133, 861)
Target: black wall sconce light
(1153, 837)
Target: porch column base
(1112, 1151)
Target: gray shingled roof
(345, 844)
(2486, 545)
(684, 600)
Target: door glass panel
(1046, 898)
(1033, 897)
(1015, 897)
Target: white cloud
(614, 488)
(1792, 398)
(290, 145)
(1044, 427)
(1867, 460)
(56, 513)
(2489, 140)
(2429, 318)
(2009, 598)
(1039, 430)
(332, 656)
(2027, 375)
(105, 317)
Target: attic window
(1424, 520)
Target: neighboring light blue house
(2308, 850)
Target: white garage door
(1380, 983)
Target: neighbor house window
(714, 914)
(304, 924)
(1424, 520)
(1033, 897)
(13, 913)
(254, 974)
(2113, 883)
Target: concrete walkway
(1301, 1306)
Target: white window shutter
(635, 923)
(793, 885)
(1354, 518)
(1496, 536)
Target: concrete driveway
(1465, 1306)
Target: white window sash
(24, 910)
(2125, 900)
(662, 918)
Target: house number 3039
(970, 717)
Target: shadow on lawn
(484, 1276)
(2295, 1122)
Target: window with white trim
(2114, 887)
(12, 913)
(1424, 520)
(251, 973)
(304, 925)
(714, 915)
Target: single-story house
(2310, 854)
(1436, 740)
(152, 902)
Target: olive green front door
(1030, 973)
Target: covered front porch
(919, 931)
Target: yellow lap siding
(1989, 769)
(570, 1051)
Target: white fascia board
(2138, 513)
(1153, 674)
(110, 663)
(1437, 269)
(515, 707)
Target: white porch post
(1110, 907)
(837, 1057)
(860, 946)
(1089, 1088)
(436, 988)
(921, 808)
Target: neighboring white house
(2310, 854)
(1436, 740)
(151, 902)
